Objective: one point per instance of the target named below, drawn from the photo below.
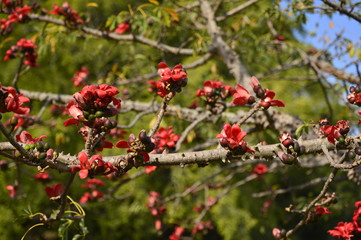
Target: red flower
(321, 210)
(232, 137)
(334, 133)
(71, 16)
(268, 100)
(93, 196)
(92, 183)
(178, 231)
(286, 140)
(260, 169)
(25, 137)
(55, 191)
(165, 138)
(343, 230)
(172, 80)
(242, 96)
(155, 205)
(11, 101)
(42, 177)
(122, 28)
(167, 74)
(25, 48)
(92, 103)
(11, 190)
(80, 77)
(202, 227)
(93, 166)
(266, 95)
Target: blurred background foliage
(237, 215)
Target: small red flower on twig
(232, 137)
(54, 192)
(11, 101)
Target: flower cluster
(92, 102)
(138, 148)
(165, 139)
(15, 15)
(231, 138)
(94, 194)
(11, 101)
(156, 207)
(80, 77)
(354, 96)
(122, 28)
(23, 120)
(92, 167)
(334, 132)
(172, 80)
(214, 91)
(348, 230)
(202, 227)
(176, 235)
(294, 149)
(39, 149)
(25, 49)
(43, 177)
(243, 97)
(71, 16)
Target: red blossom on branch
(92, 196)
(178, 231)
(214, 90)
(23, 48)
(343, 230)
(138, 148)
(25, 137)
(172, 80)
(43, 177)
(11, 190)
(80, 77)
(242, 96)
(11, 101)
(155, 204)
(202, 227)
(71, 16)
(94, 166)
(122, 28)
(93, 102)
(54, 192)
(321, 210)
(165, 138)
(337, 132)
(232, 137)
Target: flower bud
(251, 100)
(142, 136)
(352, 89)
(286, 158)
(260, 93)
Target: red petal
(277, 103)
(235, 130)
(122, 144)
(271, 94)
(145, 155)
(70, 121)
(83, 173)
(83, 158)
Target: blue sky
(323, 26)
